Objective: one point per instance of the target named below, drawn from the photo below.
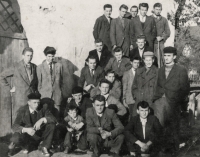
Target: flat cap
(34, 96)
(49, 50)
(148, 53)
(77, 89)
(170, 49)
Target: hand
(105, 134)
(69, 129)
(131, 47)
(88, 87)
(114, 47)
(144, 148)
(159, 38)
(69, 99)
(38, 124)
(29, 131)
(125, 104)
(79, 126)
(12, 90)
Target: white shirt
(108, 18)
(141, 51)
(99, 55)
(106, 97)
(31, 110)
(100, 115)
(48, 63)
(133, 70)
(142, 18)
(143, 121)
(92, 71)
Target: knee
(15, 138)
(93, 138)
(120, 138)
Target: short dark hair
(90, 57)
(123, 6)
(104, 81)
(117, 49)
(143, 104)
(98, 41)
(99, 98)
(141, 37)
(134, 6)
(49, 50)
(107, 6)
(109, 71)
(157, 5)
(29, 49)
(134, 58)
(144, 5)
(72, 107)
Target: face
(118, 55)
(134, 12)
(140, 43)
(143, 112)
(110, 77)
(99, 106)
(122, 12)
(157, 11)
(104, 88)
(50, 58)
(92, 63)
(135, 64)
(34, 103)
(107, 12)
(77, 97)
(99, 46)
(148, 61)
(169, 58)
(28, 56)
(72, 113)
(143, 11)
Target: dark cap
(77, 89)
(34, 96)
(49, 50)
(170, 49)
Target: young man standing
(134, 11)
(24, 79)
(120, 31)
(163, 33)
(102, 27)
(172, 89)
(127, 81)
(143, 24)
(143, 132)
(50, 77)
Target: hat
(148, 53)
(34, 96)
(170, 49)
(49, 50)
(77, 89)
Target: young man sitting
(143, 132)
(116, 86)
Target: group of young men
(122, 98)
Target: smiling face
(135, 64)
(92, 63)
(122, 12)
(143, 112)
(28, 57)
(99, 106)
(33, 104)
(108, 12)
(140, 43)
(110, 77)
(50, 58)
(169, 58)
(104, 88)
(72, 113)
(118, 55)
(77, 97)
(99, 46)
(143, 11)
(148, 60)
(157, 11)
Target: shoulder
(164, 19)
(109, 112)
(89, 111)
(84, 68)
(58, 64)
(22, 109)
(152, 118)
(117, 83)
(100, 69)
(150, 18)
(92, 52)
(125, 59)
(112, 59)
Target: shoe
(66, 151)
(112, 154)
(44, 151)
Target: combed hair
(107, 6)
(90, 57)
(109, 71)
(72, 107)
(49, 50)
(144, 5)
(29, 49)
(143, 104)
(134, 58)
(104, 81)
(157, 5)
(99, 98)
(141, 37)
(134, 6)
(98, 41)
(123, 6)
(117, 49)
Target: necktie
(92, 73)
(51, 69)
(118, 63)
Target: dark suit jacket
(176, 87)
(133, 131)
(120, 35)
(82, 108)
(21, 82)
(105, 56)
(23, 118)
(46, 87)
(109, 122)
(149, 30)
(102, 31)
(86, 76)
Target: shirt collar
(106, 96)
(142, 17)
(100, 115)
(143, 121)
(25, 64)
(48, 62)
(31, 110)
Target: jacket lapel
(125, 23)
(96, 119)
(27, 117)
(119, 22)
(96, 54)
(146, 22)
(151, 74)
(107, 23)
(54, 71)
(172, 72)
(23, 72)
(103, 119)
(139, 126)
(138, 21)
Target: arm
(6, 73)
(113, 33)
(167, 32)
(81, 80)
(157, 131)
(97, 28)
(118, 91)
(132, 33)
(109, 64)
(18, 123)
(91, 128)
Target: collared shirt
(32, 111)
(99, 54)
(133, 70)
(106, 97)
(92, 71)
(141, 51)
(48, 63)
(142, 18)
(143, 121)
(157, 17)
(28, 69)
(100, 115)
(108, 18)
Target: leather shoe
(44, 151)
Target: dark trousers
(97, 143)
(70, 140)
(45, 135)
